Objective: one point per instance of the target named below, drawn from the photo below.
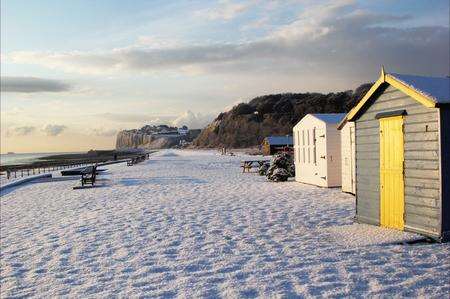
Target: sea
(18, 159)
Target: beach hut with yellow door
(402, 141)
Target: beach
(191, 224)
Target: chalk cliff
(155, 137)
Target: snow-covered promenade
(191, 224)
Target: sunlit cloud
(188, 118)
(225, 10)
(20, 131)
(53, 130)
(134, 118)
(193, 120)
(103, 132)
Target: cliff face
(127, 140)
(247, 124)
(154, 137)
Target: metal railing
(23, 172)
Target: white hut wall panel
(294, 139)
(348, 157)
(422, 181)
(311, 169)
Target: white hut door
(320, 155)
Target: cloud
(53, 130)
(157, 42)
(192, 120)
(232, 105)
(135, 118)
(74, 61)
(32, 85)
(338, 17)
(101, 132)
(336, 39)
(188, 118)
(132, 59)
(20, 131)
(226, 10)
(257, 24)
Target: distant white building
(317, 150)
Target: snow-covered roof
(280, 140)
(435, 88)
(429, 91)
(329, 118)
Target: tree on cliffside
(247, 124)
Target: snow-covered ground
(191, 224)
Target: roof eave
(391, 80)
(354, 111)
(342, 123)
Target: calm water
(9, 159)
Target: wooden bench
(247, 165)
(88, 176)
(80, 171)
(137, 159)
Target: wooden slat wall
(422, 183)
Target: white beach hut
(348, 152)
(317, 149)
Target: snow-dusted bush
(278, 175)
(263, 169)
(281, 168)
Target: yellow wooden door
(392, 195)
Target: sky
(75, 72)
